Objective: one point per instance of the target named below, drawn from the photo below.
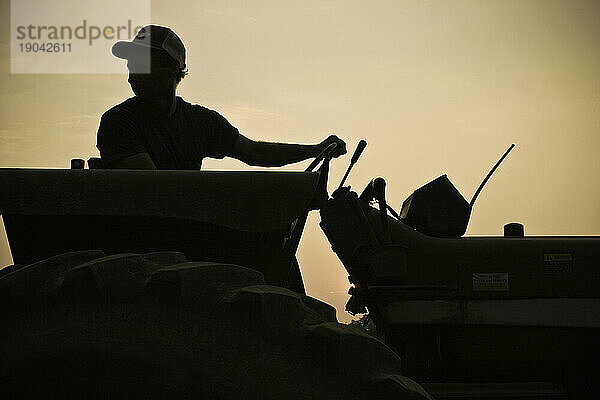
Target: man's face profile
(158, 81)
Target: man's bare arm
(136, 161)
(270, 154)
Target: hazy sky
(434, 87)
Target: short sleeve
(117, 137)
(222, 138)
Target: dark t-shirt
(180, 141)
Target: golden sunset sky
(433, 86)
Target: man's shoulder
(196, 108)
(127, 108)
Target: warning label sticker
(558, 263)
(490, 282)
(558, 257)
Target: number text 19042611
(48, 47)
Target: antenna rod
(489, 174)
(359, 149)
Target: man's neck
(163, 106)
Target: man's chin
(145, 93)
(141, 94)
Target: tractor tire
(153, 326)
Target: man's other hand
(339, 150)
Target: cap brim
(127, 50)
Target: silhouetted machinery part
(146, 316)
(254, 219)
(514, 229)
(77, 163)
(155, 326)
(438, 209)
(511, 317)
(474, 314)
(92, 162)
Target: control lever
(324, 156)
(357, 153)
(321, 194)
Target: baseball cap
(152, 37)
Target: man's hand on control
(339, 150)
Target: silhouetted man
(158, 130)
